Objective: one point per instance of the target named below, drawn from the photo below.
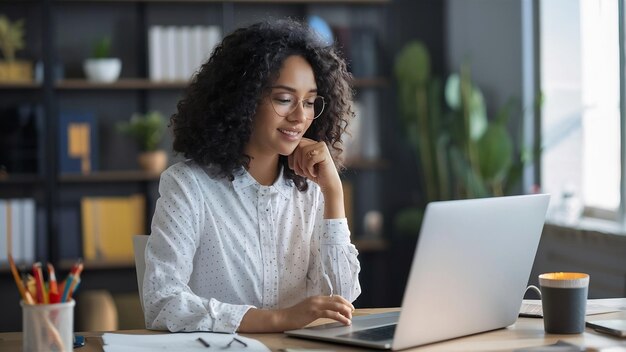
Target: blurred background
(454, 99)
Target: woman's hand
(298, 316)
(312, 160)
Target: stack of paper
(532, 307)
(179, 342)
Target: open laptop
(469, 274)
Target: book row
(175, 53)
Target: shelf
(13, 179)
(374, 82)
(20, 85)
(121, 84)
(371, 245)
(110, 176)
(140, 83)
(248, 1)
(66, 264)
(363, 245)
(366, 164)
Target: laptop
(469, 274)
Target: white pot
(102, 70)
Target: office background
(496, 38)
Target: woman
(250, 233)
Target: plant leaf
(413, 63)
(465, 176)
(496, 153)
(477, 115)
(453, 92)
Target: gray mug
(564, 302)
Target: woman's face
(275, 128)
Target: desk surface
(526, 332)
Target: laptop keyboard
(374, 334)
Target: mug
(564, 302)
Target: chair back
(139, 248)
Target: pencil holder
(48, 327)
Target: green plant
(11, 37)
(147, 130)
(102, 48)
(419, 97)
(482, 153)
(461, 152)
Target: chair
(139, 248)
(96, 311)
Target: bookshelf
(146, 84)
(53, 38)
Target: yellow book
(109, 224)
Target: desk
(526, 332)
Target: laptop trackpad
(363, 321)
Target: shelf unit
(52, 37)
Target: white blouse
(219, 248)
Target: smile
(289, 133)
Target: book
(155, 52)
(196, 47)
(22, 230)
(369, 130)
(213, 35)
(69, 226)
(78, 143)
(352, 142)
(168, 53)
(20, 130)
(183, 56)
(108, 225)
(363, 51)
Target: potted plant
(147, 130)
(12, 40)
(101, 67)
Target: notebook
(470, 269)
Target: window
(580, 82)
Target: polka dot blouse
(219, 248)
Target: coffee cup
(564, 302)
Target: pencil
(18, 281)
(38, 274)
(53, 294)
(76, 270)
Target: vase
(153, 162)
(102, 70)
(17, 71)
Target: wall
(493, 35)
(487, 33)
(601, 255)
(496, 37)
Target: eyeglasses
(285, 104)
(207, 345)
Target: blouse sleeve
(334, 267)
(169, 303)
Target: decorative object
(373, 224)
(147, 130)
(12, 40)
(78, 142)
(101, 67)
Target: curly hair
(213, 122)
